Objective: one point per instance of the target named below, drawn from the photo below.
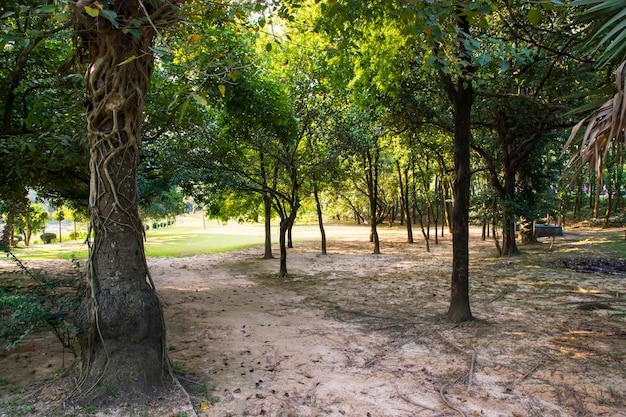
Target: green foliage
(48, 237)
(39, 302)
(31, 220)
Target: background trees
(397, 109)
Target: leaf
(92, 11)
(199, 99)
(534, 16)
(7, 14)
(127, 60)
(222, 89)
(48, 8)
(111, 17)
(482, 60)
(204, 406)
(194, 38)
(268, 47)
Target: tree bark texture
(122, 332)
(462, 96)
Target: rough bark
(122, 332)
(462, 96)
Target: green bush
(78, 235)
(47, 237)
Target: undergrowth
(37, 302)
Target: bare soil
(356, 334)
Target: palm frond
(604, 125)
(607, 19)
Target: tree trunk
(578, 199)
(267, 206)
(609, 203)
(448, 203)
(596, 198)
(509, 246)
(426, 237)
(320, 220)
(7, 232)
(527, 232)
(122, 331)
(289, 236)
(282, 272)
(404, 200)
(285, 224)
(459, 310)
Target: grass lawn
(194, 236)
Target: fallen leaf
(204, 406)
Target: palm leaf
(603, 126)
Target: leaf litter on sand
(352, 333)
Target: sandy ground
(356, 334)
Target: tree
(41, 141)
(32, 220)
(122, 332)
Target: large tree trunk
(122, 332)
(462, 97)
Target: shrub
(155, 225)
(78, 235)
(47, 237)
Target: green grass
(193, 236)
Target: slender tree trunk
(509, 246)
(267, 206)
(404, 200)
(282, 272)
(122, 331)
(285, 223)
(320, 220)
(426, 237)
(596, 197)
(448, 203)
(578, 199)
(609, 203)
(289, 236)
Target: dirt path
(353, 334)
